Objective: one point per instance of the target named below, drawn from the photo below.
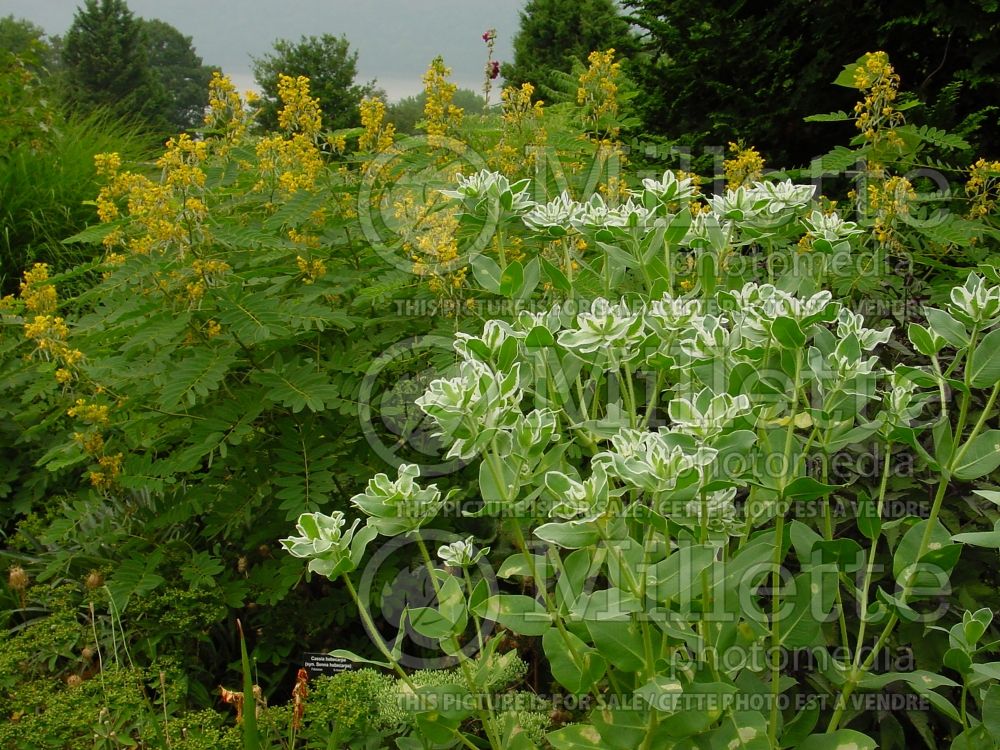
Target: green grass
(43, 191)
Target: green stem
(486, 718)
(376, 636)
(957, 453)
(779, 536)
(828, 533)
(708, 645)
(552, 610)
(870, 568)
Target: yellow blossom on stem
(746, 166)
(90, 413)
(877, 115)
(310, 269)
(597, 93)
(983, 188)
(440, 112)
(378, 135)
(301, 112)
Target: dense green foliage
(555, 34)
(718, 71)
(262, 318)
(331, 67)
(47, 174)
(179, 71)
(26, 41)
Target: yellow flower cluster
(598, 93)
(92, 442)
(107, 164)
(378, 135)
(301, 112)
(39, 296)
(294, 162)
(229, 114)
(429, 235)
(90, 413)
(311, 269)
(49, 331)
(516, 107)
(440, 112)
(212, 329)
(888, 200)
(181, 162)
(521, 126)
(876, 115)
(111, 469)
(302, 238)
(211, 270)
(288, 164)
(983, 188)
(157, 219)
(746, 166)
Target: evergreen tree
(106, 63)
(553, 34)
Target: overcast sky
(395, 39)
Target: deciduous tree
(331, 67)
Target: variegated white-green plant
(657, 467)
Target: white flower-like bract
(829, 227)
(610, 330)
(584, 501)
(532, 432)
(782, 197)
(485, 346)
(398, 506)
(461, 554)
(706, 414)
(473, 405)
(719, 509)
(670, 315)
(559, 213)
(323, 541)
(487, 184)
(901, 403)
(847, 367)
(710, 337)
(849, 323)
(975, 303)
(650, 461)
(801, 308)
(668, 189)
(704, 226)
(526, 320)
(596, 214)
(740, 205)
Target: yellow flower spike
(983, 188)
(107, 164)
(746, 166)
(301, 112)
(379, 135)
(440, 114)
